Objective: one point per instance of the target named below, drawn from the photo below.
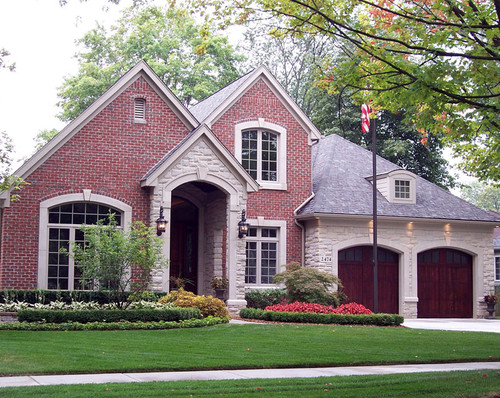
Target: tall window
(497, 268)
(63, 227)
(402, 189)
(259, 154)
(262, 255)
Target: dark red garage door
(444, 284)
(356, 274)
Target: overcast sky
(40, 35)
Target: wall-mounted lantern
(161, 223)
(243, 226)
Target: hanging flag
(365, 118)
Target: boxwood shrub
(87, 316)
(47, 296)
(309, 317)
(265, 297)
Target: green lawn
(428, 385)
(235, 346)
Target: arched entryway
(184, 245)
(356, 274)
(444, 284)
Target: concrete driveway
(463, 325)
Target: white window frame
(497, 268)
(280, 131)
(402, 175)
(280, 225)
(43, 232)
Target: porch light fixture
(161, 223)
(243, 226)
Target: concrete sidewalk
(24, 381)
(462, 325)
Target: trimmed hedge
(262, 298)
(309, 317)
(189, 323)
(88, 316)
(68, 296)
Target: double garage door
(444, 281)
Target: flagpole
(374, 201)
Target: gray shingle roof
(204, 108)
(340, 169)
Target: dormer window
(139, 110)
(401, 189)
(397, 186)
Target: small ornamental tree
(310, 285)
(114, 260)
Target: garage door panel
(444, 284)
(357, 277)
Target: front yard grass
(235, 346)
(429, 385)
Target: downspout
(303, 230)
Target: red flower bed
(349, 308)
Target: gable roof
(212, 108)
(142, 69)
(340, 172)
(201, 132)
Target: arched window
(260, 146)
(64, 223)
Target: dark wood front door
(356, 274)
(444, 284)
(184, 245)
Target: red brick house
(248, 147)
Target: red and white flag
(365, 118)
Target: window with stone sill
(63, 231)
(262, 255)
(259, 154)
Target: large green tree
(192, 61)
(482, 195)
(437, 60)
(8, 181)
(295, 62)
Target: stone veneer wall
(325, 237)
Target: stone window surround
(262, 124)
(85, 196)
(260, 222)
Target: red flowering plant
(490, 298)
(349, 308)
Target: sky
(41, 35)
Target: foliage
(3, 62)
(486, 197)
(208, 305)
(219, 283)
(490, 298)
(43, 137)
(41, 296)
(349, 308)
(295, 62)
(7, 180)
(311, 317)
(310, 285)
(261, 298)
(191, 60)
(121, 325)
(14, 306)
(437, 61)
(86, 316)
(114, 260)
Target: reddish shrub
(350, 308)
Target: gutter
(303, 230)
